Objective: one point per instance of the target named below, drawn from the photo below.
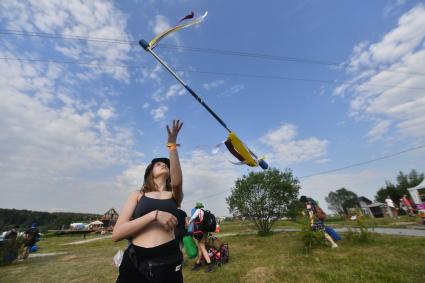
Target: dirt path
(87, 241)
(384, 231)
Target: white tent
(78, 226)
(97, 222)
(415, 194)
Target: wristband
(172, 146)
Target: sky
(311, 85)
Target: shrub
(310, 238)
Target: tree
(264, 197)
(337, 199)
(395, 192)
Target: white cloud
(393, 6)
(397, 59)
(95, 19)
(50, 139)
(172, 91)
(158, 114)
(131, 179)
(287, 150)
(106, 113)
(206, 175)
(213, 85)
(378, 130)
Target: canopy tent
(414, 193)
(97, 222)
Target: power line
(196, 49)
(337, 169)
(210, 72)
(364, 162)
(67, 37)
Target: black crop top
(147, 204)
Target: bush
(359, 234)
(310, 238)
(9, 250)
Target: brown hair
(150, 186)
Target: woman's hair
(150, 186)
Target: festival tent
(78, 226)
(95, 224)
(418, 193)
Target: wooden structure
(109, 219)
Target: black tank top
(147, 204)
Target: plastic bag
(116, 261)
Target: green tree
(337, 199)
(395, 192)
(264, 197)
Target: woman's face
(159, 169)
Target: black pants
(159, 264)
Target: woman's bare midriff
(153, 235)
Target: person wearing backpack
(201, 237)
(317, 217)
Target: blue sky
(312, 85)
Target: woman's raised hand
(174, 131)
(167, 220)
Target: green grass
(279, 257)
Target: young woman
(315, 223)
(148, 220)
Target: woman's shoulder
(136, 195)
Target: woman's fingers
(168, 221)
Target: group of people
(150, 222)
(30, 237)
(405, 205)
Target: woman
(315, 223)
(148, 220)
(201, 239)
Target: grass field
(279, 257)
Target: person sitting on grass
(201, 238)
(316, 223)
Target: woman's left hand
(174, 131)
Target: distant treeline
(45, 220)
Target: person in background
(12, 234)
(201, 238)
(181, 229)
(392, 207)
(315, 223)
(31, 236)
(408, 205)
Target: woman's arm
(175, 169)
(124, 227)
(196, 214)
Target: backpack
(208, 222)
(320, 213)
